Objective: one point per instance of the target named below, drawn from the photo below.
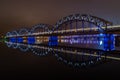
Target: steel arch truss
(15, 33)
(8, 34)
(40, 29)
(98, 22)
(24, 32)
(12, 34)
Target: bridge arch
(23, 31)
(41, 32)
(8, 34)
(12, 34)
(87, 21)
(39, 28)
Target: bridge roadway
(110, 29)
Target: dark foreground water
(16, 64)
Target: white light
(101, 42)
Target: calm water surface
(18, 64)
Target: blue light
(109, 42)
(101, 34)
(13, 40)
(53, 41)
(20, 40)
(31, 40)
(112, 46)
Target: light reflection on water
(70, 56)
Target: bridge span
(77, 30)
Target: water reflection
(70, 56)
(78, 57)
(37, 50)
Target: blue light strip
(104, 41)
(13, 39)
(53, 41)
(31, 40)
(20, 40)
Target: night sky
(15, 14)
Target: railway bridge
(77, 31)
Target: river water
(42, 62)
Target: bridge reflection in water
(71, 56)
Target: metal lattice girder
(8, 34)
(42, 27)
(23, 32)
(83, 17)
